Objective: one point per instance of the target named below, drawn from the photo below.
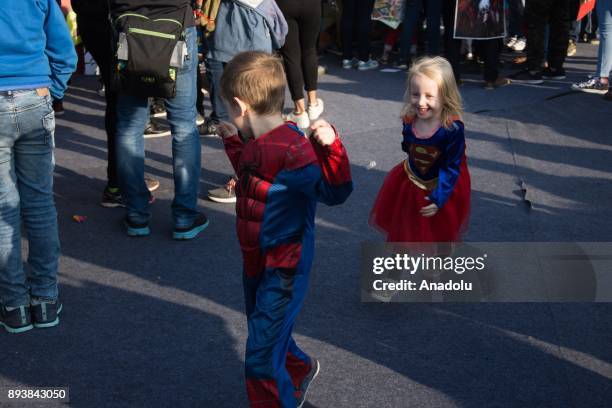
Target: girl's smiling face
(424, 96)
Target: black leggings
(300, 49)
(359, 13)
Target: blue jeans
(132, 116)
(27, 124)
(214, 72)
(411, 19)
(604, 60)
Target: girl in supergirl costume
(426, 198)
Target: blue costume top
(437, 159)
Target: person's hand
(429, 210)
(226, 129)
(323, 132)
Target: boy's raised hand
(323, 132)
(226, 129)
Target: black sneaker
(312, 374)
(17, 320)
(527, 77)
(111, 198)
(592, 85)
(209, 128)
(550, 73)
(156, 129)
(136, 230)
(199, 225)
(157, 108)
(46, 314)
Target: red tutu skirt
(396, 209)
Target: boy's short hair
(256, 78)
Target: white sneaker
(301, 119)
(511, 41)
(199, 119)
(520, 44)
(314, 111)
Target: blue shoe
(136, 230)
(199, 225)
(312, 374)
(46, 314)
(16, 320)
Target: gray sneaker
(224, 194)
(367, 65)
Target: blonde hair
(437, 69)
(256, 78)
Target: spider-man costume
(281, 176)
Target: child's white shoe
(300, 119)
(314, 111)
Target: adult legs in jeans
(26, 194)
(433, 11)
(359, 13)
(412, 9)
(133, 113)
(604, 61)
(214, 72)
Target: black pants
(452, 47)
(539, 13)
(356, 14)
(300, 49)
(488, 50)
(96, 36)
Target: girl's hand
(226, 129)
(429, 210)
(323, 133)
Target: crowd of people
(243, 54)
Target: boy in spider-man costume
(282, 174)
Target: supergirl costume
(434, 172)
(281, 177)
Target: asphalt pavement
(155, 322)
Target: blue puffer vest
(240, 27)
